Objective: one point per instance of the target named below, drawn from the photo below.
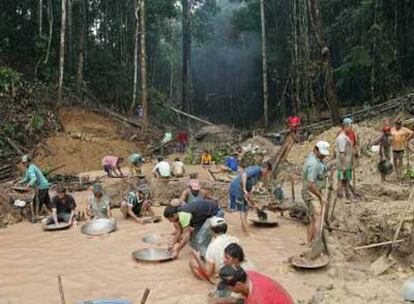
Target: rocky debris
(215, 133)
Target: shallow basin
(99, 226)
(152, 255)
(59, 226)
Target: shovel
(319, 245)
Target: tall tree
(136, 47)
(40, 17)
(325, 56)
(81, 47)
(62, 51)
(143, 65)
(186, 33)
(264, 66)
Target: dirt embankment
(86, 139)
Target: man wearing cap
(214, 258)
(400, 137)
(255, 287)
(63, 207)
(241, 187)
(231, 164)
(193, 192)
(34, 178)
(135, 162)
(136, 205)
(162, 169)
(112, 164)
(99, 204)
(344, 156)
(314, 176)
(192, 223)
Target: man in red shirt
(182, 139)
(253, 286)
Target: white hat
(175, 202)
(323, 147)
(217, 221)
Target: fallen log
(191, 116)
(379, 244)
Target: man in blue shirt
(35, 179)
(241, 187)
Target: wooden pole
(379, 244)
(62, 294)
(145, 296)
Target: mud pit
(102, 267)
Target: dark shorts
(240, 203)
(42, 198)
(107, 168)
(398, 154)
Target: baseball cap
(25, 158)
(230, 275)
(217, 221)
(194, 184)
(347, 121)
(97, 188)
(323, 147)
(175, 202)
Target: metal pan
(303, 263)
(20, 189)
(264, 223)
(152, 255)
(54, 227)
(99, 226)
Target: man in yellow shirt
(400, 137)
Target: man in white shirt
(162, 169)
(214, 257)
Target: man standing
(34, 178)
(313, 181)
(63, 208)
(182, 139)
(344, 157)
(400, 137)
(162, 169)
(192, 223)
(241, 188)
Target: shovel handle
(322, 219)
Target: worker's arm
(178, 231)
(72, 215)
(244, 183)
(89, 210)
(108, 211)
(132, 214)
(54, 214)
(315, 190)
(183, 196)
(206, 194)
(206, 268)
(183, 241)
(118, 167)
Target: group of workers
(198, 219)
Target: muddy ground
(102, 267)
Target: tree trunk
(40, 17)
(135, 88)
(50, 17)
(62, 51)
(264, 63)
(69, 5)
(143, 66)
(330, 90)
(186, 29)
(81, 46)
